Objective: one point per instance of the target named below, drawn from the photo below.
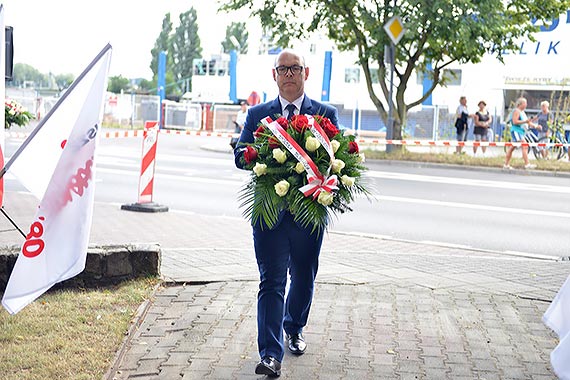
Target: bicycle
(555, 150)
(529, 137)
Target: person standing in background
(543, 118)
(239, 122)
(462, 114)
(482, 120)
(520, 123)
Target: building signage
(550, 39)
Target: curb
(136, 322)
(490, 169)
(525, 255)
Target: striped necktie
(291, 109)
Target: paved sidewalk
(383, 308)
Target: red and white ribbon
(317, 186)
(317, 183)
(293, 146)
(320, 135)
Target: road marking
(175, 177)
(511, 210)
(239, 181)
(510, 185)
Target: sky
(63, 36)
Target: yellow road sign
(395, 29)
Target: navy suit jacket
(273, 109)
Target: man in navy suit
(287, 246)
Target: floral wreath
(15, 113)
(303, 165)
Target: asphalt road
(489, 210)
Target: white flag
(36, 164)
(3, 92)
(557, 317)
(56, 246)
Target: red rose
(273, 142)
(352, 147)
(330, 129)
(299, 123)
(282, 122)
(249, 155)
(259, 131)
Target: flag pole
(51, 111)
(12, 221)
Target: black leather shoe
(268, 366)
(297, 344)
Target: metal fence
(132, 110)
(182, 115)
(224, 117)
(125, 109)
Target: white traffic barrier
(146, 180)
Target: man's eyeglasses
(295, 69)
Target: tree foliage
(162, 43)
(118, 84)
(185, 47)
(239, 32)
(438, 33)
(25, 73)
(64, 80)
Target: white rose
(279, 155)
(259, 169)
(299, 168)
(361, 157)
(312, 144)
(347, 181)
(325, 198)
(282, 187)
(338, 165)
(335, 145)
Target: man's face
(291, 85)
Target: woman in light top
(520, 123)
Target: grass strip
(562, 165)
(69, 333)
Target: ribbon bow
(316, 186)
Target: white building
(537, 71)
